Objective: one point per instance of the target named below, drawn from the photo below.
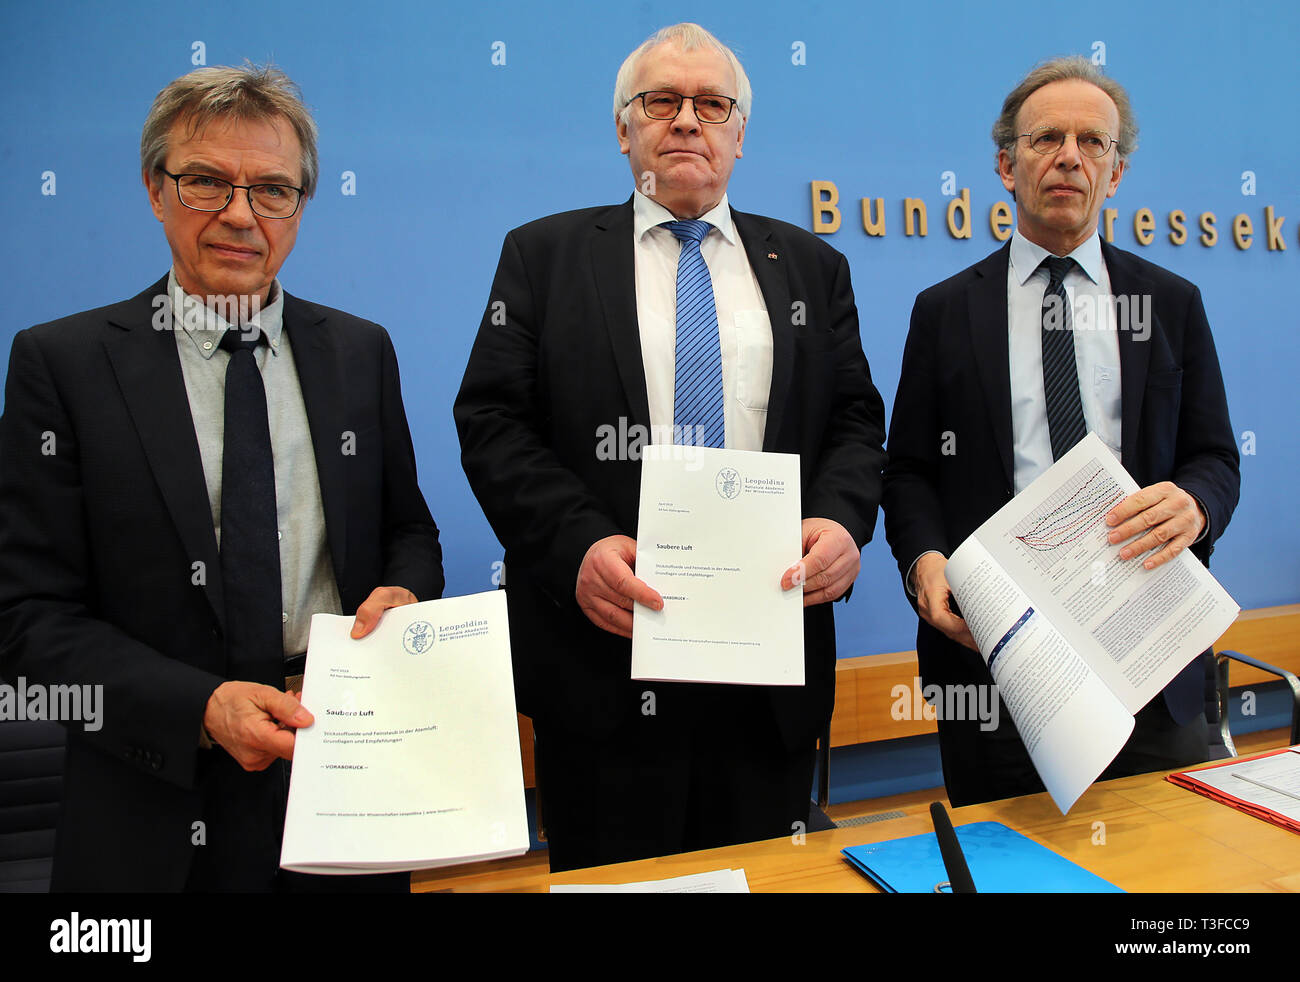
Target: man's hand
(254, 723)
(607, 587)
(1168, 515)
(380, 599)
(830, 564)
(932, 596)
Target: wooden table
(1141, 833)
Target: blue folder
(1000, 860)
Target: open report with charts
(1077, 639)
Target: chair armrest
(1223, 657)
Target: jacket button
(216, 631)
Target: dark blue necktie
(698, 416)
(1065, 423)
(250, 546)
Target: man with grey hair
(185, 478)
(996, 384)
(674, 316)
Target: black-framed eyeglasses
(203, 192)
(709, 108)
(1049, 139)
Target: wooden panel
(1271, 634)
(865, 685)
(864, 700)
(526, 750)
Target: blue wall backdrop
(461, 121)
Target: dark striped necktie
(1065, 423)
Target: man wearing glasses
(673, 316)
(185, 478)
(1000, 378)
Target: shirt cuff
(908, 581)
(1205, 529)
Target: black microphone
(954, 861)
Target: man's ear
(1115, 175)
(740, 139)
(1007, 170)
(154, 183)
(620, 127)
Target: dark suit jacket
(99, 545)
(955, 377)
(557, 357)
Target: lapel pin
(771, 255)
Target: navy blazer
(110, 574)
(956, 378)
(558, 357)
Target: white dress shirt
(1096, 355)
(744, 330)
(307, 583)
(1096, 351)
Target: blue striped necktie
(1065, 423)
(697, 384)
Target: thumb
(363, 623)
(285, 708)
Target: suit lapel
(773, 275)
(320, 376)
(614, 264)
(986, 299)
(1134, 351)
(148, 371)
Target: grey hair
(1060, 70)
(687, 37)
(249, 92)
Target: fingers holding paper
(254, 723)
(607, 586)
(373, 607)
(1163, 515)
(829, 565)
(933, 599)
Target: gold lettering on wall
(825, 206)
(1000, 221)
(1242, 231)
(912, 208)
(827, 219)
(1144, 224)
(876, 225)
(1274, 226)
(960, 204)
(1179, 234)
(1210, 235)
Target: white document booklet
(413, 760)
(716, 531)
(1077, 639)
(717, 881)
